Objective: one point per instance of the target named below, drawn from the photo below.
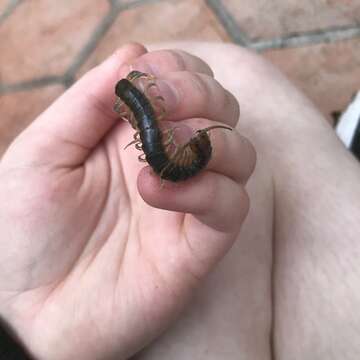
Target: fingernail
(169, 93)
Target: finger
(215, 200)
(77, 121)
(162, 62)
(188, 94)
(232, 154)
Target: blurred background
(45, 45)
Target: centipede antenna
(215, 127)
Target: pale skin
(289, 287)
(91, 268)
(88, 250)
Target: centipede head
(121, 86)
(201, 143)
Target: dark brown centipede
(186, 160)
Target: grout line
(68, 78)
(101, 29)
(10, 8)
(309, 38)
(92, 43)
(228, 22)
(32, 84)
(230, 25)
(133, 3)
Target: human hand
(96, 258)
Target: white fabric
(348, 121)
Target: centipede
(170, 161)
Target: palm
(117, 248)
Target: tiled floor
(45, 45)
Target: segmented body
(186, 161)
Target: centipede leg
(117, 107)
(142, 158)
(137, 135)
(151, 84)
(136, 140)
(131, 143)
(162, 183)
(135, 75)
(170, 165)
(161, 108)
(158, 99)
(184, 156)
(124, 113)
(170, 139)
(171, 134)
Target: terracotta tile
(328, 73)
(160, 21)
(274, 18)
(124, 2)
(42, 37)
(19, 109)
(3, 6)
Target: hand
(96, 257)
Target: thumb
(76, 122)
(214, 205)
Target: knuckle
(231, 102)
(173, 59)
(195, 63)
(249, 156)
(201, 93)
(177, 58)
